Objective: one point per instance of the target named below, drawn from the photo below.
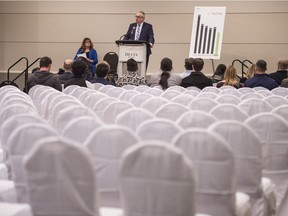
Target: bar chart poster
(207, 32)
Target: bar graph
(207, 32)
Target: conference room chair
(228, 112)
(115, 92)
(100, 105)
(244, 90)
(69, 89)
(97, 86)
(15, 209)
(76, 92)
(7, 89)
(92, 98)
(127, 95)
(281, 111)
(265, 92)
(106, 88)
(42, 107)
(251, 95)
(227, 87)
(214, 165)
(253, 106)
(113, 110)
(60, 179)
(196, 118)
(141, 88)
(38, 89)
(247, 148)
(202, 103)
(171, 111)
(170, 94)
(133, 117)
(281, 91)
(106, 145)
(79, 128)
(272, 130)
(19, 144)
(129, 87)
(228, 99)
(276, 100)
(154, 103)
(158, 129)
(16, 98)
(152, 182)
(210, 95)
(211, 89)
(193, 88)
(183, 99)
(259, 88)
(229, 90)
(154, 91)
(177, 88)
(8, 192)
(140, 98)
(192, 92)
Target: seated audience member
(131, 77)
(78, 70)
(67, 71)
(88, 73)
(197, 78)
(249, 73)
(43, 76)
(188, 67)
(165, 78)
(35, 69)
(102, 70)
(230, 78)
(219, 73)
(260, 78)
(281, 72)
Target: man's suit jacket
(146, 34)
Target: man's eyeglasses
(139, 16)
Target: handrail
(8, 72)
(242, 65)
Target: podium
(135, 49)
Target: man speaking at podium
(141, 30)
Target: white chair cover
(195, 118)
(154, 91)
(194, 88)
(15, 209)
(211, 154)
(129, 87)
(105, 88)
(193, 93)
(171, 111)
(264, 93)
(69, 89)
(246, 146)
(251, 95)
(127, 95)
(106, 146)
(17, 99)
(154, 103)
(254, 106)
(141, 88)
(230, 99)
(170, 94)
(36, 90)
(115, 92)
(77, 92)
(211, 95)
(228, 112)
(280, 91)
(97, 86)
(20, 142)
(79, 128)
(101, 105)
(183, 99)
(259, 88)
(245, 90)
(157, 179)
(60, 179)
(3, 171)
(158, 129)
(282, 111)
(113, 110)
(93, 98)
(82, 97)
(7, 192)
(133, 117)
(229, 90)
(211, 89)
(139, 99)
(205, 104)
(45, 100)
(276, 101)
(273, 132)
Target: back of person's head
(102, 69)
(45, 61)
(251, 70)
(78, 68)
(230, 76)
(261, 66)
(189, 63)
(166, 67)
(35, 69)
(68, 64)
(220, 70)
(282, 64)
(132, 65)
(198, 64)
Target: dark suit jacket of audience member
(197, 79)
(279, 75)
(65, 76)
(80, 81)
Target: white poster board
(207, 32)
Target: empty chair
(140, 98)
(170, 94)
(101, 105)
(247, 149)
(133, 117)
(69, 89)
(154, 103)
(229, 90)
(254, 106)
(211, 89)
(245, 90)
(205, 104)
(259, 88)
(171, 111)
(280, 91)
(158, 129)
(93, 98)
(105, 88)
(276, 101)
(282, 111)
(82, 97)
(211, 95)
(106, 146)
(7, 192)
(20, 142)
(251, 95)
(215, 195)
(112, 110)
(129, 87)
(141, 88)
(191, 92)
(15, 209)
(272, 130)
(193, 88)
(225, 87)
(154, 91)
(115, 92)
(228, 112)
(196, 118)
(97, 86)
(183, 99)
(127, 95)
(230, 99)
(264, 93)
(152, 183)
(78, 91)
(177, 88)
(60, 179)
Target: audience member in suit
(230, 78)
(145, 30)
(78, 70)
(89, 53)
(131, 77)
(197, 78)
(219, 73)
(249, 73)
(43, 76)
(165, 78)
(188, 67)
(67, 71)
(260, 78)
(282, 71)
(102, 70)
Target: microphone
(123, 36)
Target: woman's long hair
(83, 44)
(166, 67)
(230, 76)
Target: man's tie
(137, 32)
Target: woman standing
(87, 51)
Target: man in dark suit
(141, 30)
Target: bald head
(67, 64)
